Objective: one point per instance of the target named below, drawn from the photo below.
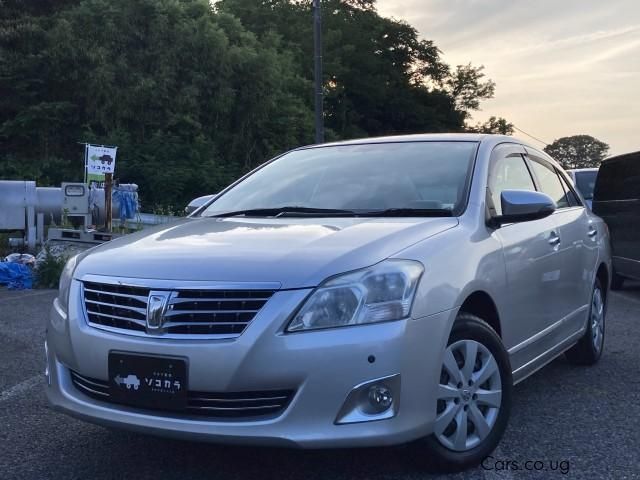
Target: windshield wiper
(409, 212)
(286, 211)
(293, 211)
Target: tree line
(195, 93)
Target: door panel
(574, 249)
(579, 254)
(532, 263)
(533, 277)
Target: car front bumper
(323, 367)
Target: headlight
(65, 282)
(379, 293)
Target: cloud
(561, 67)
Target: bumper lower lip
(283, 431)
(323, 367)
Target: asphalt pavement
(566, 422)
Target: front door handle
(554, 239)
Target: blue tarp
(128, 200)
(15, 276)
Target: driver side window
(508, 173)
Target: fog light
(380, 397)
(377, 399)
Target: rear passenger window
(508, 173)
(572, 198)
(550, 183)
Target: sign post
(317, 70)
(102, 160)
(108, 179)
(86, 161)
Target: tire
(447, 453)
(617, 281)
(589, 348)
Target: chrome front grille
(116, 306)
(211, 312)
(215, 405)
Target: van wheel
(474, 396)
(589, 348)
(616, 281)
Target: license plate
(148, 381)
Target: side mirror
(197, 203)
(523, 206)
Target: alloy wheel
(469, 396)
(597, 319)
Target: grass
(49, 270)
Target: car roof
(623, 157)
(426, 137)
(487, 140)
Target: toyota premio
(361, 293)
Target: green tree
(196, 93)
(494, 125)
(468, 87)
(379, 76)
(578, 151)
(191, 98)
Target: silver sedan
(361, 293)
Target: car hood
(295, 252)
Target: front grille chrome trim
(195, 310)
(173, 313)
(217, 406)
(212, 399)
(141, 311)
(125, 319)
(136, 297)
(94, 387)
(156, 284)
(234, 409)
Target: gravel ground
(576, 422)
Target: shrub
(49, 270)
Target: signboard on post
(101, 159)
(95, 179)
(100, 163)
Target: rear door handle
(554, 239)
(592, 232)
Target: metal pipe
(17, 197)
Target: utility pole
(317, 48)
(108, 182)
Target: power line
(531, 136)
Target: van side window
(618, 179)
(508, 173)
(549, 183)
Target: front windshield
(358, 178)
(585, 182)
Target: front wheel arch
(469, 326)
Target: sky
(561, 67)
